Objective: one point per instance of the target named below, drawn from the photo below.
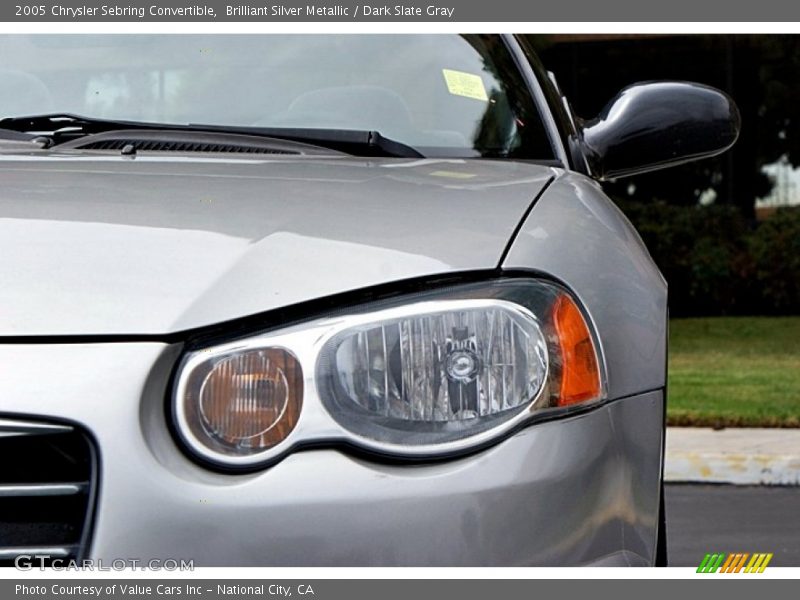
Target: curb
(734, 456)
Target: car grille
(47, 487)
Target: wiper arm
(56, 126)
(351, 141)
(64, 127)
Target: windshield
(444, 95)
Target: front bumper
(582, 490)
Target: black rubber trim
(535, 89)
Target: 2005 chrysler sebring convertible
(358, 300)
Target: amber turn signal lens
(248, 402)
(580, 373)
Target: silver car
(328, 300)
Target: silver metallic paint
(102, 244)
(582, 490)
(577, 234)
(108, 245)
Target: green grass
(735, 371)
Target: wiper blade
(64, 127)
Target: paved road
(726, 518)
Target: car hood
(95, 244)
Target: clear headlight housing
(454, 368)
(426, 375)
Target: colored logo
(734, 563)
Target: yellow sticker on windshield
(465, 84)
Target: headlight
(245, 402)
(440, 372)
(431, 374)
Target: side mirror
(654, 125)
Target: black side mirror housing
(654, 125)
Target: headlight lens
(455, 368)
(429, 374)
(243, 403)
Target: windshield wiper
(63, 127)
